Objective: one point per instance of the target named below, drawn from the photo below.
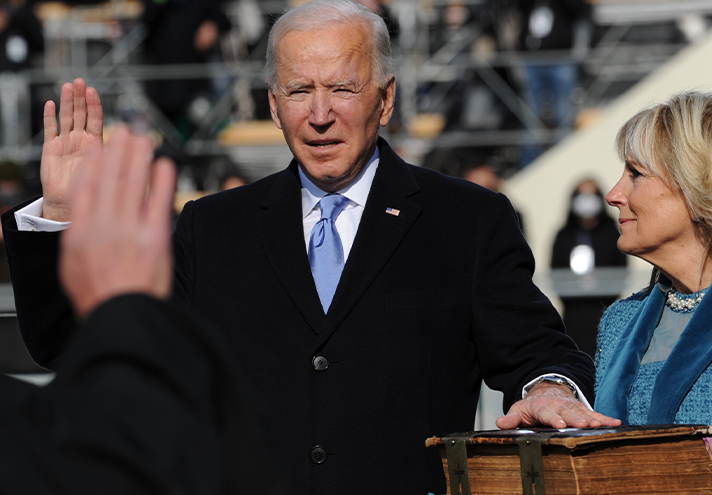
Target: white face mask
(587, 205)
(16, 49)
(541, 21)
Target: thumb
(512, 419)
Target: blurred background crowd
(488, 90)
(490, 83)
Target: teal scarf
(686, 362)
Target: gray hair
(322, 14)
(674, 140)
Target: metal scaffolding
(631, 39)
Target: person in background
(181, 32)
(147, 401)
(21, 34)
(486, 176)
(586, 242)
(552, 25)
(231, 179)
(378, 7)
(21, 44)
(654, 362)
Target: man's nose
(321, 113)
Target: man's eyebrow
(295, 85)
(298, 85)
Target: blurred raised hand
(119, 240)
(80, 130)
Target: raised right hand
(81, 129)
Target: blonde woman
(655, 347)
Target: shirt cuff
(579, 394)
(30, 218)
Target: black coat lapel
(282, 234)
(378, 235)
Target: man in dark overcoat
(433, 290)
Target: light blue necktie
(326, 254)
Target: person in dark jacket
(148, 401)
(429, 289)
(181, 32)
(551, 26)
(587, 241)
(20, 34)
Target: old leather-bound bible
(668, 459)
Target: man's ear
(389, 100)
(273, 108)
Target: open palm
(80, 130)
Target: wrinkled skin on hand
(80, 131)
(553, 405)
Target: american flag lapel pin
(393, 211)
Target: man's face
(327, 102)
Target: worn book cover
(661, 459)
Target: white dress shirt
(348, 221)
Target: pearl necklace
(683, 302)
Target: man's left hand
(553, 405)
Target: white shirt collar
(357, 191)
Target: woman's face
(655, 223)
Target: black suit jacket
(430, 302)
(145, 403)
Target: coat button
(320, 363)
(318, 455)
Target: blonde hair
(674, 141)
